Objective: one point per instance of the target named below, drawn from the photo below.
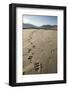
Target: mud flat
(39, 51)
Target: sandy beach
(39, 51)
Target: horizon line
(40, 25)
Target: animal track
(32, 53)
(38, 67)
(29, 50)
(33, 46)
(30, 58)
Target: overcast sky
(40, 20)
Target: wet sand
(39, 51)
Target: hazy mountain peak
(31, 26)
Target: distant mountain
(45, 26)
(30, 26)
(48, 27)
